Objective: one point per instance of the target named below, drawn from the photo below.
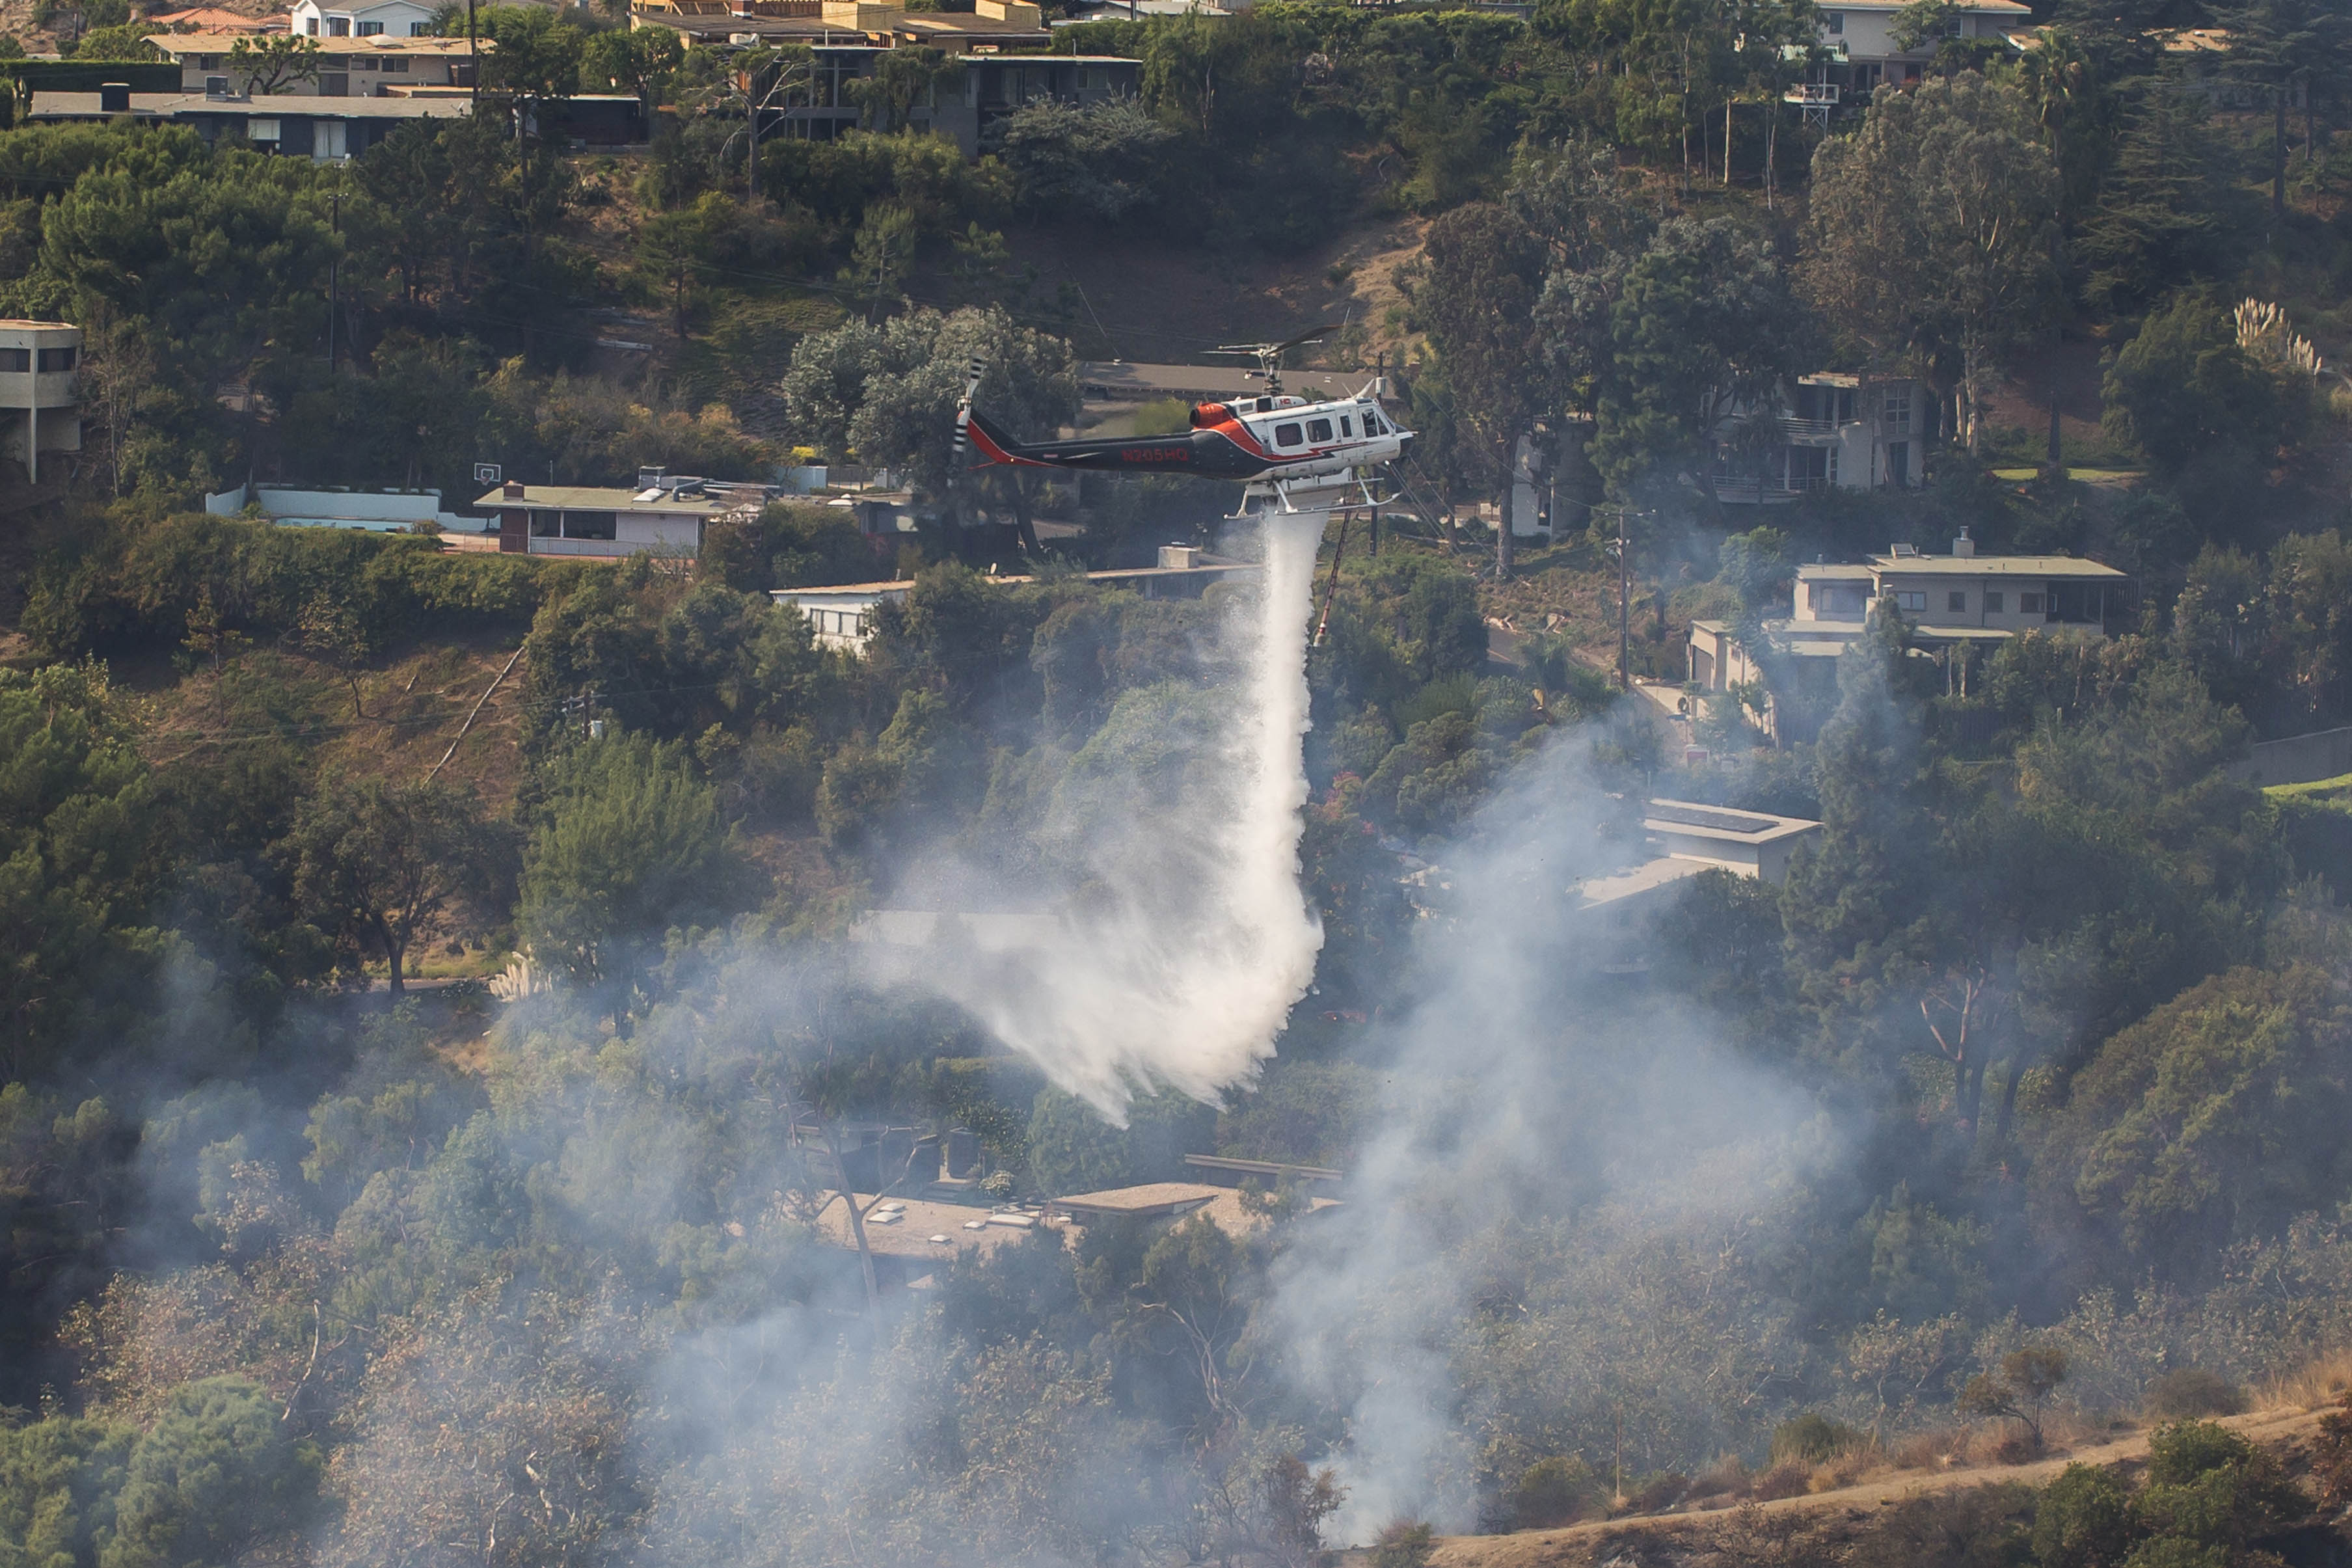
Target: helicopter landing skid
(1319, 494)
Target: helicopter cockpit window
(1286, 436)
(1318, 430)
(1374, 425)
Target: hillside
(1846, 1524)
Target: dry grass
(2318, 1382)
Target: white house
(663, 515)
(383, 18)
(1834, 432)
(374, 66)
(40, 389)
(1859, 37)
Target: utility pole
(334, 276)
(752, 130)
(474, 57)
(1624, 600)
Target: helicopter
(1272, 438)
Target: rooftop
(924, 1229)
(1981, 7)
(268, 105)
(1688, 819)
(599, 498)
(1997, 565)
(217, 20)
(383, 44)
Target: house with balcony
(1950, 603)
(1829, 431)
(40, 391)
(1858, 52)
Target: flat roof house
(324, 130)
(374, 65)
(40, 389)
(1960, 599)
(664, 515)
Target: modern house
(383, 18)
(325, 130)
(1829, 431)
(847, 38)
(1949, 602)
(40, 391)
(375, 66)
(665, 515)
(1858, 42)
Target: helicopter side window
(1318, 430)
(1286, 436)
(1347, 428)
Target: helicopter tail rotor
(973, 373)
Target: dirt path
(1576, 1544)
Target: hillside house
(665, 515)
(374, 65)
(989, 81)
(1951, 602)
(1832, 431)
(1860, 52)
(324, 130)
(40, 391)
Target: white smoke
(1186, 941)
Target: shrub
(1813, 1438)
(2084, 1520)
(1557, 1490)
(2191, 1392)
(1403, 1543)
(1786, 1478)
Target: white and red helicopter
(1271, 439)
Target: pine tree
(2164, 216)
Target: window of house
(394, 65)
(19, 360)
(546, 524)
(1899, 408)
(1958, 27)
(1318, 430)
(1992, 601)
(370, 29)
(56, 359)
(588, 525)
(1910, 601)
(364, 63)
(339, 26)
(1956, 601)
(2029, 604)
(1833, 23)
(1288, 436)
(420, 29)
(310, 27)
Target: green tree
(2182, 390)
(630, 846)
(1928, 232)
(1477, 305)
(379, 863)
(675, 246)
(59, 1481)
(2204, 1124)
(273, 62)
(2166, 214)
(218, 1475)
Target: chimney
(514, 489)
(1964, 547)
(114, 98)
